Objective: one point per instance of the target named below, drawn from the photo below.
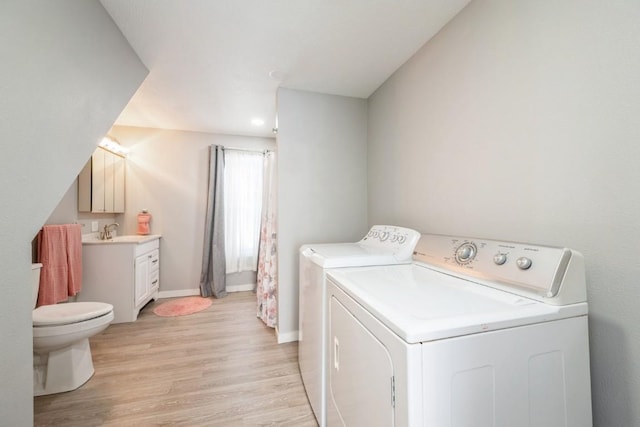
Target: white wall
(321, 184)
(167, 173)
(520, 121)
(66, 74)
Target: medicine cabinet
(101, 183)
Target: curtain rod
(247, 150)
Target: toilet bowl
(61, 353)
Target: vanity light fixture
(111, 144)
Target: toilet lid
(71, 312)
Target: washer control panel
(518, 267)
(391, 238)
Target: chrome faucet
(106, 234)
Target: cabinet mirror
(101, 183)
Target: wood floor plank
(218, 367)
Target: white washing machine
(473, 333)
(383, 245)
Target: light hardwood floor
(219, 367)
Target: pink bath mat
(182, 306)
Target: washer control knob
(523, 263)
(499, 258)
(465, 253)
(384, 236)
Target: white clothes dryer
(383, 245)
(473, 333)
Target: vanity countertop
(93, 239)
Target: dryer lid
(67, 313)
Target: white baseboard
(196, 291)
(287, 337)
(178, 293)
(241, 288)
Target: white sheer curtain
(243, 178)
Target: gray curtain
(213, 276)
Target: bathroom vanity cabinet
(124, 273)
(101, 183)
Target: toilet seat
(44, 335)
(69, 313)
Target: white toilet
(61, 332)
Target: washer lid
(420, 304)
(71, 312)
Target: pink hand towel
(74, 258)
(60, 252)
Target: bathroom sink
(133, 238)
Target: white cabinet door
(97, 181)
(118, 184)
(142, 278)
(109, 159)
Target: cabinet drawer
(154, 260)
(154, 280)
(147, 247)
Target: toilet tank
(35, 282)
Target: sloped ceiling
(216, 64)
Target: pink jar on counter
(144, 218)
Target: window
(242, 208)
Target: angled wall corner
(322, 184)
(67, 74)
